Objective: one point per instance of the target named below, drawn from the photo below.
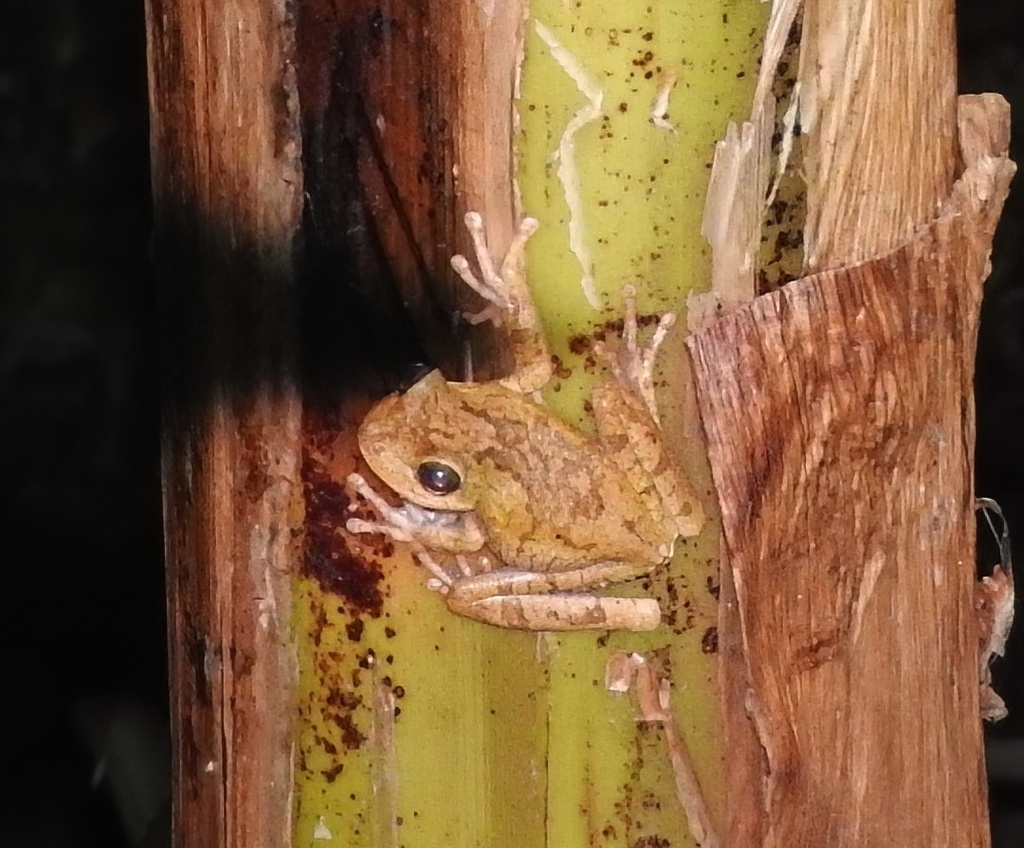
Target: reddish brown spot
(327, 556)
(709, 641)
(560, 369)
(339, 699)
(579, 344)
(338, 709)
(672, 605)
(331, 774)
(351, 738)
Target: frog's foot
(509, 303)
(631, 364)
(504, 289)
(397, 524)
(444, 578)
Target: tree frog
(485, 466)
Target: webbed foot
(633, 365)
(504, 289)
(510, 303)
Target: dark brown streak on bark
(375, 97)
(398, 207)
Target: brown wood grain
(878, 120)
(839, 417)
(227, 193)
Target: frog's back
(554, 498)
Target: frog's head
(416, 442)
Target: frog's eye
(438, 478)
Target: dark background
(84, 667)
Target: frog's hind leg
(525, 600)
(625, 413)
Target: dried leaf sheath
(840, 429)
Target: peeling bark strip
(227, 193)
(878, 87)
(839, 417)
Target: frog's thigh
(521, 600)
(627, 432)
(635, 444)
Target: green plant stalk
(627, 208)
(421, 728)
(467, 758)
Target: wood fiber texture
(878, 101)
(408, 123)
(227, 195)
(840, 426)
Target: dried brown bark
(840, 427)
(227, 190)
(840, 430)
(879, 106)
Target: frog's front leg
(511, 303)
(454, 532)
(528, 600)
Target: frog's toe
(441, 578)
(486, 289)
(475, 228)
(435, 584)
(358, 526)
